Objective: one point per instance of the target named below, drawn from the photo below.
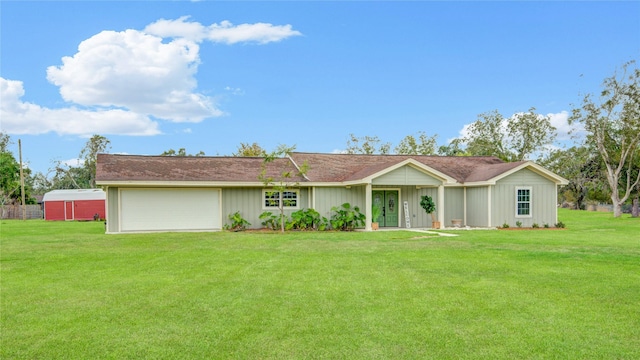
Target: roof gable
(410, 172)
(413, 164)
(559, 180)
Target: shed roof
(75, 194)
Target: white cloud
(123, 79)
(20, 117)
(180, 27)
(565, 131)
(133, 70)
(225, 32)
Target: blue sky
(207, 76)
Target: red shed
(79, 204)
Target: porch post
(367, 210)
(465, 205)
(489, 206)
(441, 205)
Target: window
(523, 202)
(272, 199)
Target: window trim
(264, 199)
(530, 202)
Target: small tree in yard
(283, 178)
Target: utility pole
(24, 206)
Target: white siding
(249, 202)
(477, 203)
(326, 198)
(112, 210)
(454, 204)
(419, 217)
(543, 199)
(406, 175)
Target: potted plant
(376, 211)
(429, 206)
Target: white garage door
(169, 209)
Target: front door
(389, 202)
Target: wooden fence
(15, 212)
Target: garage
(170, 209)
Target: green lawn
(68, 291)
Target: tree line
(604, 167)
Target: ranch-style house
(169, 193)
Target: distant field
(68, 291)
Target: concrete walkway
(419, 230)
(430, 231)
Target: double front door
(389, 203)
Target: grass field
(68, 291)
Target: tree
(253, 150)
(486, 136)
(9, 179)
(180, 152)
(5, 141)
(454, 148)
(529, 132)
(283, 177)
(424, 145)
(612, 123)
(70, 177)
(40, 183)
(512, 139)
(635, 203)
(581, 166)
(366, 145)
(95, 145)
(10, 189)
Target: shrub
(505, 225)
(519, 224)
(560, 225)
(346, 218)
(535, 225)
(269, 220)
(546, 226)
(306, 219)
(238, 223)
